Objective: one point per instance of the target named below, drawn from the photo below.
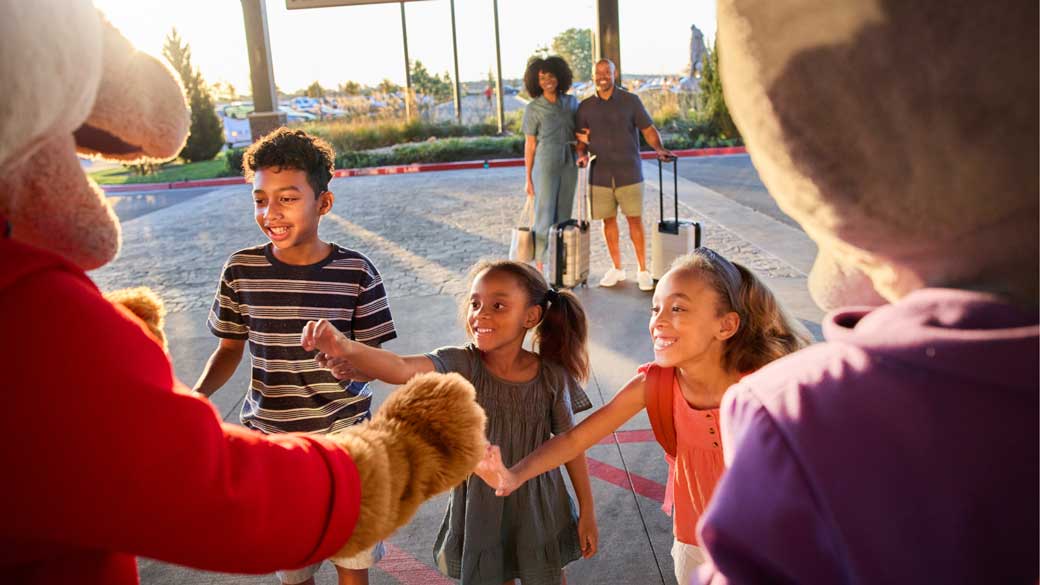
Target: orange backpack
(659, 391)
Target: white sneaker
(612, 277)
(646, 282)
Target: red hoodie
(108, 456)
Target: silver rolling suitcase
(672, 238)
(567, 262)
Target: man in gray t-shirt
(608, 124)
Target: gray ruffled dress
(532, 533)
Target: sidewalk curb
(129, 187)
(396, 170)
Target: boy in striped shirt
(268, 293)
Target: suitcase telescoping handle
(585, 198)
(675, 186)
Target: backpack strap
(660, 408)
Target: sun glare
(363, 43)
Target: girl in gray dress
(528, 397)
(548, 126)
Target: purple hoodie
(902, 450)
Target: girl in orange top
(712, 321)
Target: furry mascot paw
(144, 304)
(425, 439)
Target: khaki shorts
(606, 200)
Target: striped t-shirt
(268, 302)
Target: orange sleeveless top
(693, 449)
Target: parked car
(655, 84)
(331, 112)
(235, 117)
(296, 115)
(236, 110)
(304, 104)
(237, 132)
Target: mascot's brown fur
(146, 306)
(898, 134)
(428, 424)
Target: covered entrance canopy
(266, 116)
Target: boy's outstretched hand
(494, 472)
(324, 337)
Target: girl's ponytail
(563, 334)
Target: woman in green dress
(548, 154)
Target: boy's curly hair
(292, 149)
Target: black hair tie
(552, 296)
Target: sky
(364, 43)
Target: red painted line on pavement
(638, 436)
(647, 488)
(408, 570)
(397, 170)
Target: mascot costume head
(898, 134)
(73, 84)
(902, 136)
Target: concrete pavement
(735, 177)
(423, 232)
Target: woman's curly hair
(555, 65)
(292, 149)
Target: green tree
(575, 46)
(178, 54)
(206, 136)
(315, 90)
(350, 88)
(431, 85)
(712, 100)
(386, 86)
(207, 131)
(224, 91)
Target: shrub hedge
(352, 136)
(233, 162)
(447, 150)
(456, 149)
